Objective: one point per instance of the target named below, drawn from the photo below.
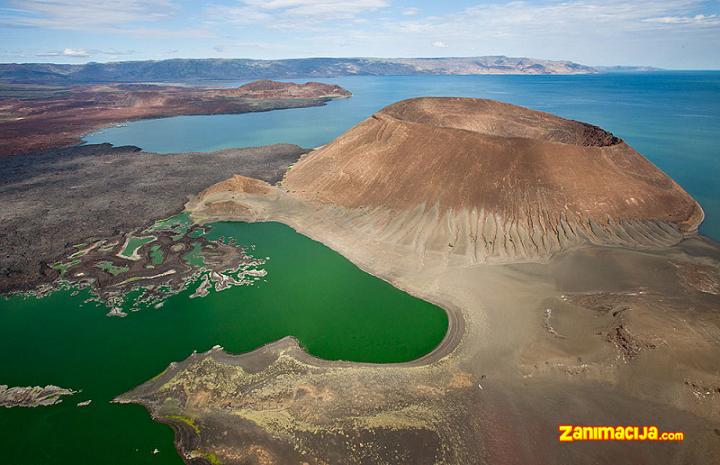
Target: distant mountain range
(178, 70)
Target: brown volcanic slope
(61, 120)
(488, 181)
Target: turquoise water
(673, 118)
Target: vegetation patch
(111, 268)
(187, 420)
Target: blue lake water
(673, 118)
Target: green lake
(336, 310)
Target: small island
(32, 396)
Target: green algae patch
(209, 456)
(84, 249)
(187, 420)
(199, 232)
(156, 255)
(79, 253)
(194, 257)
(179, 224)
(63, 267)
(133, 244)
(114, 270)
(212, 458)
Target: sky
(676, 34)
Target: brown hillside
(493, 180)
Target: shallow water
(335, 310)
(673, 118)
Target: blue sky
(683, 34)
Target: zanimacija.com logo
(572, 433)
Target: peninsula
(62, 118)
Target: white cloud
(68, 52)
(83, 53)
(701, 20)
(318, 8)
(672, 33)
(293, 13)
(75, 14)
(580, 17)
(72, 52)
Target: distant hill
(236, 69)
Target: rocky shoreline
(158, 262)
(121, 190)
